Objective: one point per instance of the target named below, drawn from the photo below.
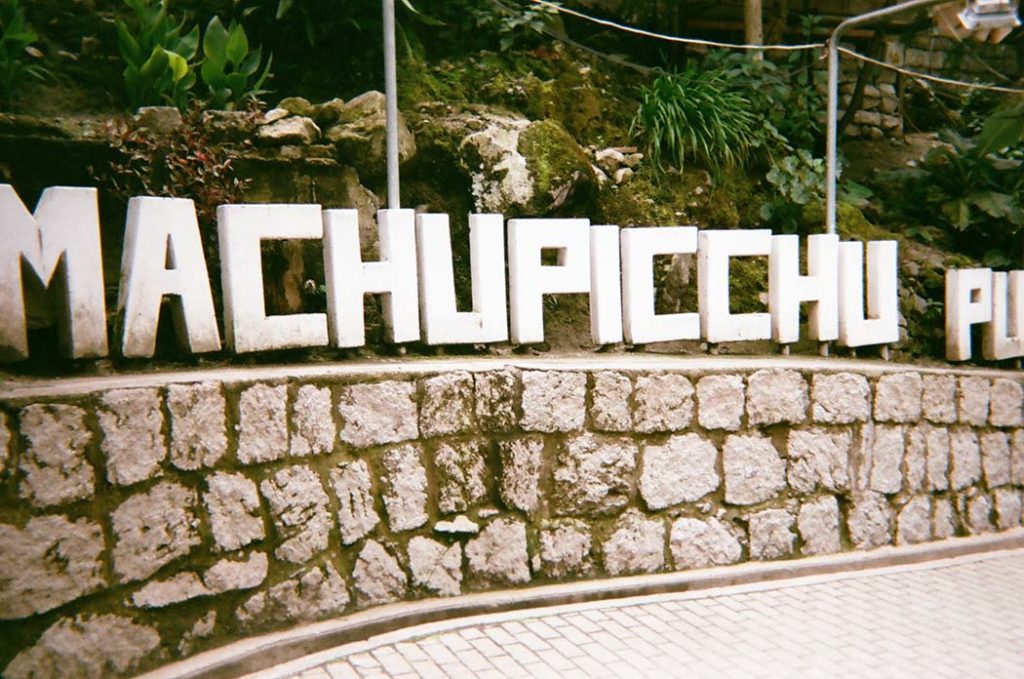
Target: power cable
(971, 54)
(561, 37)
(674, 38)
(803, 46)
(932, 78)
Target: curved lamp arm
(833, 95)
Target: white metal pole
(391, 103)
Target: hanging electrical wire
(931, 78)
(561, 37)
(674, 38)
(803, 46)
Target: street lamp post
(983, 15)
(832, 113)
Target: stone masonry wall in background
(880, 114)
(143, 524)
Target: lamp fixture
(990, 20)
(989, 14)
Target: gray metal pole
(391, 103)
(833, 97)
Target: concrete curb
(251, 655)
(14, 388)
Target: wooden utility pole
(753, 32)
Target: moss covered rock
(561, 170)
(560, 84)
(514, 165)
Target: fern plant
(696, 115)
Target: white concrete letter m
(60, 245)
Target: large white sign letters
(993, 300)
(847, 298)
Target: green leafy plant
(797, 179)
(230, 69)
(786, 103)
(1003, 132)
(312, 20)
(16, 43)
(970, 191)
(513, 22)
(698, 115)
(158, 57)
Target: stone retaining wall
(143, 519)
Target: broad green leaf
(993, 203)
(155, 65)
(236, 83)
(179, 67)
(127, 45)
(237, 45)
(957, 213)
(215, 42)
(189, 44)
(251, 63)
(1016, 216)
(996, 258)
(213, 74)
(282, 8)
(222, 96)
(1003, 128)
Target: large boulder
(514, 165)
(359, 135)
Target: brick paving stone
(490, 673)
(584, 624)
(592, 666)
(458, 671)
(440, 654)
(428, 670)
(487, 647)
(393, 662)
(573, 635)
(474, 660)
(411, 652)
(363, 661)
(341, 670)
(541, 629)
(565, 647)
(507, 666)
(555, 660)
(914, 621)
(456, 643)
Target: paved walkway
(960, 617)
